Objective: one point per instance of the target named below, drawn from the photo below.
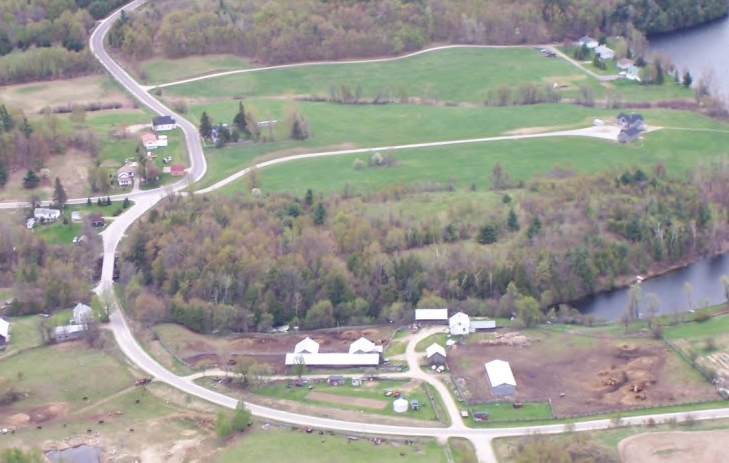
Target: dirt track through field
(340, 399)
(675, 447)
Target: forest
(217, 264)
(279, 31)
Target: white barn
(500, 377)
(431, 315)
(334, 360)
(46, 214)
(364, 346)
(306, 346)
(459, 324)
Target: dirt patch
(71, 167)
(35, 416)
(675, 447)
(581, 375)
(132, 129)
(346, 400)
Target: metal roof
(307, 345)
(68, 329)
(364, 345)
(431, 314)
(4, 328)
(499, 372)
(435, 349)
(335, 359)
(483, 324)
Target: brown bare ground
(675, 447)
(36, 415)
(346, 400)
(594, 374)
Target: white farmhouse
(46, 214)
(364, 346)
(459, 324)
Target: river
(699, 49)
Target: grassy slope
(159, 70)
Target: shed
(82, 314)
(459, 324)
(307, 346)
(364, 346)
(436, 354)
(76, 216)
(336, 380)
(414, 404)
(431, 315)
(96, 220)
(604, 52)
(4, 333)
(500, 377)
(177, 170)
(480, 325)
(625, 64)
(400, 405)
(68, 332)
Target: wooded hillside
(280, 31)
(220, 264)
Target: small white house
(364, 346)
(605, 53)
(459, 324)
(46, 214)
(163, 123)
(162, 140)
(82, 314)
(149, 140)
(307, 346)
(125, 175)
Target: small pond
(80, 454)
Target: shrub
(702, 315)
(710, 344)
(358, 164)
(651, 423)
(689, 421)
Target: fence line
(691, 362)
(432, 401)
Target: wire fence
(432, 400)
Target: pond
(80, 454)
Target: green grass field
(58, 233)
(257, 445)
(505, 411)
(461, 74)
(715, 327)
(160, 71)
(438, 338)
(24, 334)
(395, 348)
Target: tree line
(244, 263)
(276, 31)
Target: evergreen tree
(534, 228)
(26, 128)
(98, 202)
(126, 203)
(31, 180)
(108, 200)
(309, 198)
(660, 79)
(512, 222)
(488, 234)
(320, 213)
(59, 194)
(240, 121)
(6, 120)
(88, 201)
(3, 175)
(676, 77)
(687, 80)
(206, 127)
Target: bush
(651, 423)
(689, 421)
(358, 164)
(710, 344)
(117, 212)
(702, 315)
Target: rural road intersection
(144, 200)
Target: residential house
(364, 346)
(4, 333)
(48, 215)
(588, 42)
(177, 170)
(82, 314)
(431, 315)
(436, 354)
(604, 52)
(629, 135)
(76, 216)
(149, 140)
(125, 175)
(30, 223)
(163, 123)
(500, 377)
(625, 64)
(161, 141)
(633, 73)
(68, 332)
(459, 324)
(307, 346)
(335, 380)
(96, 220)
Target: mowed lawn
(457, 74)
(161, 71)
(282, 444)
(505, 411)
(470, 164)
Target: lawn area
(505, 411)
(370, 390)
(396, 348)
(58, 233)
(300, 447)
(45, 374)
(715, 327)
(438, 338)
(462, 450)
(164, 70)
(451, 74)
(23, 334)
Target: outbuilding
(500, 377)
(307, 346)
(4, 333)
(336, 380)
(400, 405)
(482, 325)
(436, 354)
(459, 324)
(68, 332)
(334, 360)
(431, 315)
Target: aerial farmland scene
(364, 230)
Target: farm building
(431, 315)
(500, 377)
(68, 332)
(162, 123)
(334, 360)
(4, 333)
(307, 346)
(82, 314)
(481, 325)
(335, 380)
(46, 214)
(364, 346)
(459, 324)
(149, 140)
(436, 354)
(77, 216)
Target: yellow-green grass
(438, 338)
(160, 71)
(462, 450)
(58, 233)
(67, 373)
(505, 411)
(457, 74)
(33, 97)
(257, 445)
(396, 348)
(716, 327)
(24, 334)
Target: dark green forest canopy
(221, 264)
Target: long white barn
(335, 359)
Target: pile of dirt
(508, 339)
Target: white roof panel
(4, 328)
(307, 345)
(499, 372)
(364, 345)
(435, 349)
(431, 314)
(335, 359)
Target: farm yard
(613, 374)
(708, 341)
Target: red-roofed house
(149, 140)
(177, 170)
